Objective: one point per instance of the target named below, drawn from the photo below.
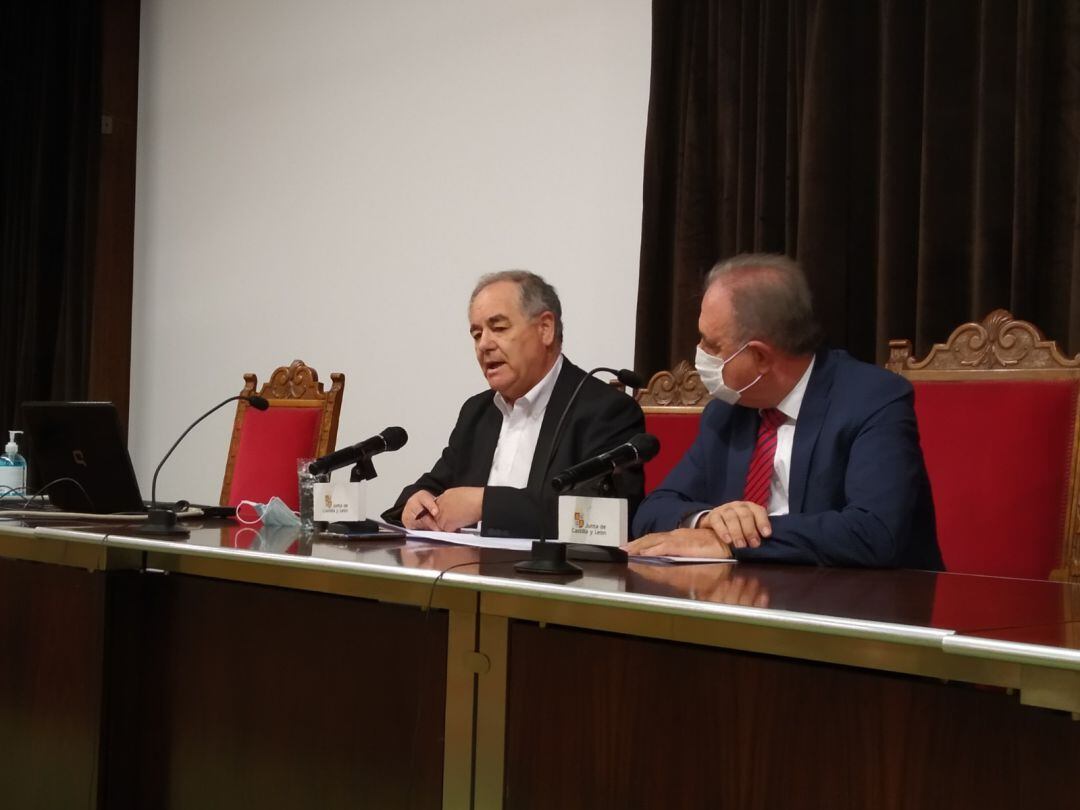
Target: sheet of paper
(467, 538)
(464, 539)
(679, 560)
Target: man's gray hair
(537, 296)
(771, 300)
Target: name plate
(597, 521)
(340, 500)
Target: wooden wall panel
(110, 337)
(51, 629)
(233, 695)
(604, 721)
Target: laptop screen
(82, 441)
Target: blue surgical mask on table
(273, 513)
(711, 370)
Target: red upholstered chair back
(672, 402)
(302, 422)
(997, 412)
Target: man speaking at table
(494, 466)
(806, 456)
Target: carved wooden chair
(301, 422)
(672, 403)
(997, 412)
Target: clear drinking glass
(307, 483)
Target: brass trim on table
(1019, 652)
(1049, 676)
(29, 546)
(460, 709)
(668, 608)
(1050, 688)
(354, 580)
(906, 656)
(490, 761)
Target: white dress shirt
(779, 484)
(520, 431)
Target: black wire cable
(180, 506)
(56, 481)
(27, 500)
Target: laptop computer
(82, 441)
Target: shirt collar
(536, 399)
(791, 404)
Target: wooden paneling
(231, 695)
(51, 625)
(604, 721)
(110, 338)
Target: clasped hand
(737, 524)
(740, 524)
(455, 508)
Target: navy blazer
(602, 418)
(859, 493)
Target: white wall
(327, 179)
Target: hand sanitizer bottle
(12, 469)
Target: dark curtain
(49, 94)
(920, 159)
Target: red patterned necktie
(760, 473)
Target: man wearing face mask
(493, 469)
(806, 456)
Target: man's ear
(764, 355)
(546, 322)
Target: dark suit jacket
(859, 493)
(602, 418)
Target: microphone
(392, 438)
(628, 377)
(550, 558)
(638, 450)
(163, 521)
(631, 379)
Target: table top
(1014, 618)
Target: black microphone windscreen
(395, 437)
(646, 445)
(630, 378)
(258, 403)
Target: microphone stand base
(548, 558)
(163, 521)
(353, 527)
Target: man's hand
(421, 512)
(738, 523)
(680, 543)
(458, 507)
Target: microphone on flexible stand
(631, 379)
(359, 455)
(643, 447)
(392, 438)
(549, 557)
(163, 521)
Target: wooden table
(242, 668)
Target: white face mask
(711, 369)
(274, 513)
